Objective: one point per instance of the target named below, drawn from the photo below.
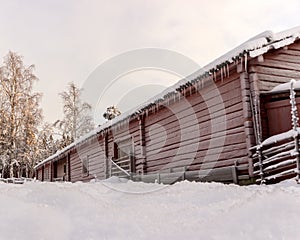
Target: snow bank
(286, 86)
(280, 137)
(148, 211)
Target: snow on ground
(118, 210)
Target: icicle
(221, 74)
(246, 70)
(227, 66)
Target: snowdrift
(114, 209)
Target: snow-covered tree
(20, 116)
(47, 144)
(77, 119)
(111, 113)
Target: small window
(85, 166)
(124, 148)
(65, 168)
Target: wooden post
(158, 178)
(69, 166)
(43, 174)
(296, 139)
(260, 160)
(51, 171)
(248, 116)
(295, 119)
(183, 175)
(143, 143)
(235, 173)
(107, 162)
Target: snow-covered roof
(254, 47)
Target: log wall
(39, 174)
(170, 139)
(93, 150)
(274, 68)
(277, 66)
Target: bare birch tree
(20, 116)
(77, 119)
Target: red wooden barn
(206, 130)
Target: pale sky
(68, 39)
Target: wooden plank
(272, 63)
(289, 52)
(286, 58)
(233, 139)
(233, 121)
(232, 91)
(176, 142)
(220, 175)
(202, 118)
(275, 71)
(294, 46)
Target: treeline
(25, 138)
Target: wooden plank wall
(39, 173)
(159, 137)
(277, 66)
(163, 138)
(47, 172)
(93, 150)
(123, 132)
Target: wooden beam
(143, 153)
(51, 171)
(106, 163)
(69, 167)
(43, 174)
(247, 113)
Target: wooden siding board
(96, 154)
(158, 157)
(279, 66)
(230, 95)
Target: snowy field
(118, 210)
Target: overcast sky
(68, 39)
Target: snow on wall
(254, 47)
